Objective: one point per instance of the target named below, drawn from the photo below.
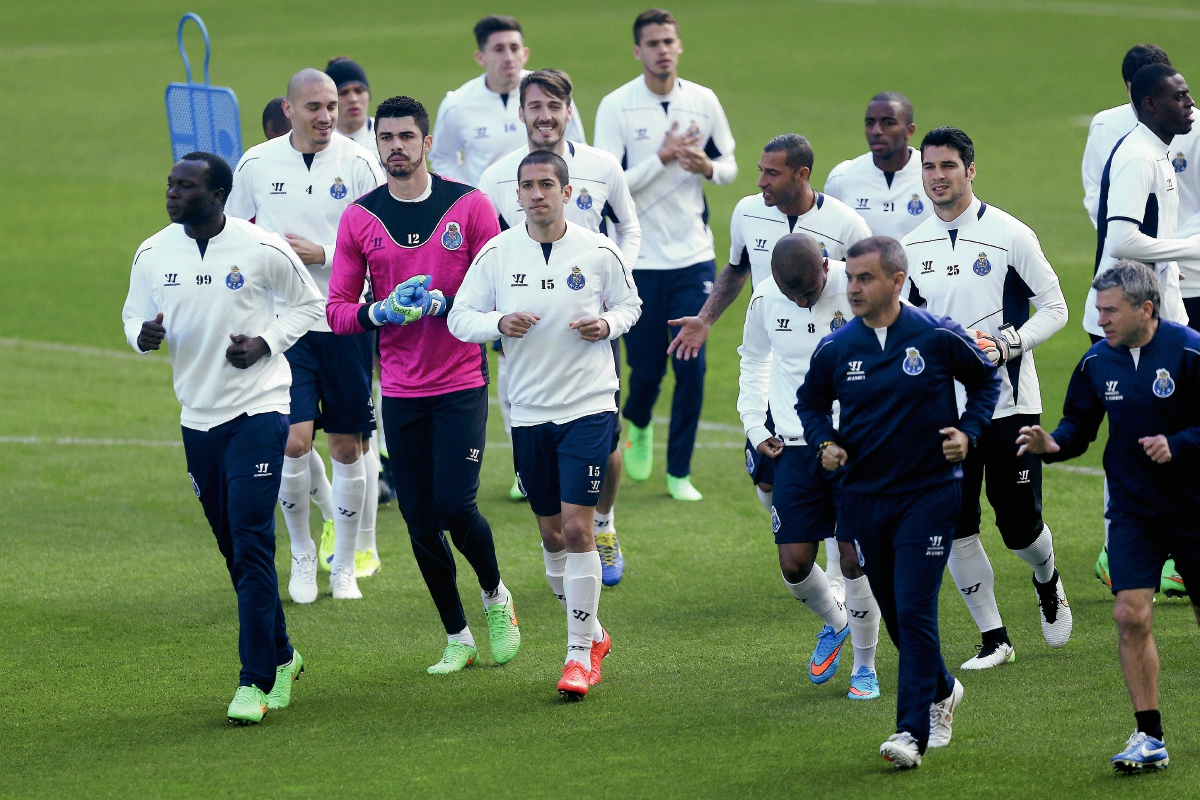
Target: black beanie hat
(344, 70)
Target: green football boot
(249, 706)
(682, 489)
(503, 632)
(281, 693)
(366, 563)
(516, 491)
(639, 452)
(1171, 584)
(1102, 568)
(458, 656)
(325, 553)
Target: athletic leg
(689, 288)
(646, 351)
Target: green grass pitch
(118, 624)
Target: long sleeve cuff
(757, 435)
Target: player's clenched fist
(770, 447)
(152, 334)
(591, 329)
(833, 457)
(516, 325)
(955, 445)
(245, 351)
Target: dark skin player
(201, 210)
(888, 130)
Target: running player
(557, 293)
(1153, 441)
(275, 123)
(354, 100)
(988, 287)
(900, 439)
(297, 186)
(206, 285)
(791, 310)
(478, 123)
(415, 237)
(667, 155)
(601, 199)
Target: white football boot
(1055, 611)
(342, 584)
(941, 717)
(901, 750)
(303, 584)
(991, 655)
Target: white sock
(815, 593)
(349, 487)
(581, 585)
(1040, 555)
(833, 560)
(320, 488)
(604, 522)
(972, 572)
(766, 498)
(556, 564)
(366, 528)
(862, 612)
(463, 637)
(293, 499)
(497, 597)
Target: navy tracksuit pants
(235, 470)
(904, 541)
(668, 294)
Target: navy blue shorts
(805, 497)
(331, 381)
(1139, 545)
(760, 467)
(565, 463)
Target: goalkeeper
(414, 238)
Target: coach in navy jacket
(1145, 374)
(901, 441)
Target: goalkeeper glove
(414, 300)
(395, 307)
(1003, 348)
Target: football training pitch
(118, 622)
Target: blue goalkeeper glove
(414, 300)
(394, 307)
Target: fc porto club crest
(913, 363)
(584, 201)
(915, 206)
(749, 461)
(338, 190)
(1164, 386)
(452, 237)
(837, 321)
(575, 279)
(1179, 162)
(982, 266)
(824, 252)
(775, 523)
(234, 279)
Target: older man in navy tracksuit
(900, 442)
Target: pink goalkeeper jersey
(393, 241)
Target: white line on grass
(92, 352)
(74, 440)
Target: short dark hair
(1148, 82)
(1137, 281)
(553, 82)
(652, 16)
(546, 157)
(798, 152)
(403, 106)
(906, 106)
(497, 23)
(1141, 55)
(891, 254)
(273, 117)
(951, 137)
(220, 176)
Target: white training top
(631, 123)
(476, 127)
(364, 136)
(755, 228)
(599, 193)
(276, 188)
(991, 281)
(777, 345)
(231, 289)
(892, 203)
(553, 374)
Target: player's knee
(1131, 615)
(457, 517)
(794, 569)
(297, 446)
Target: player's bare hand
(693, 331)
(309, 252)
(694, 160)
(955, 445)
(675, 139)
(152, 334)
(245, 352)
(1157, 448)
(771, 448)
(834, 457)
(517, 324)
(1032, 439)
(591, 329)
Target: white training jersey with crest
(892, 203)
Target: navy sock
(1150, 722)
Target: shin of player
(791, 311)
(557, 294)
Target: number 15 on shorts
(594, 479)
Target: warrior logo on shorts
(575, 279)
(195, 486)
(837, 321)
(234, 279)
(915, 206)
(1164, 386)
(452, 238)
(749, 461)
(982, 266)
(338, 190)
(584, 200)
(1179, 162)
(775, 523)
(913, 363)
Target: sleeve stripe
(139, 254)
(285, 255)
